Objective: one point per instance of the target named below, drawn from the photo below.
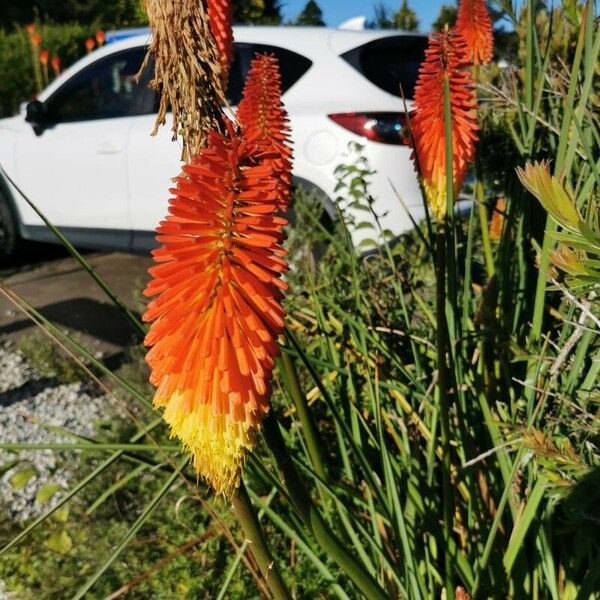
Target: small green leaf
(62, 514)
(46, 493)
(59, 542)
(19, 479)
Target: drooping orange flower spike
(216, 313)
(220, 15)
(474, 24)
(445, 60)
(264, 120)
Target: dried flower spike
(220, 15)
(445, 60)
(217, 312)
(474, 25)
(264, 120)
(187, 71)
(498, 219)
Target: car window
(390, 62)
(292, 65)
(105, 89)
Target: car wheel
(9, 231)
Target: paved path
(64, 293)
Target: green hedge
(17, 82)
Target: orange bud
(89, 44)
(497, 222)
(55, 64)
(36, 38)
(44, 56)
(100, 37)
(30, 28)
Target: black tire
(9, 230)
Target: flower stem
(442, 348)
(246, 515)
(311, 517)
(309, 429)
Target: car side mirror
(35, 115)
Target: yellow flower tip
(436, 198)
(218, 443)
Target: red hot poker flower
(100, 37)
(220, 15)
(89, 44)
(44, 56)
(264, 120)
(445, 60)
(55, 64)
(216, 313)
(36, 38)
(474, 24)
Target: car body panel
(110, 174)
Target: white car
(83, 154)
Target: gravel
(29, 401)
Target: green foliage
(311, 15)
(446, 16)
(406, 18)
(259, 12)
(117, 13)
(16, 59)
(42, 354)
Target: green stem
(484, 223)
(246, 515)
(309, 429)
(311, 517)
(442, 350)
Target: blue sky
(336, 12)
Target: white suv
(83, 154)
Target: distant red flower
(55, 64)
(100, 37)
(30, 28)
(474, 24)
(219, 19)
(264, 120)
(445, 61)
(44, 56)
(36, 38)
(89, 44)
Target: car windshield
(391, 63)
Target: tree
(310, 15)
(117, 13)
(263, 12)
(447, 16)
(406, 18)
(382, 17)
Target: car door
(75, 170)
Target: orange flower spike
(30, 28)
(89, 44)
(100, 37)
(36, 38)
(44, 56)
(216, 311)
(220, 16)
(474, 24)
(55, 62)
(264, 120)
(445, 60)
